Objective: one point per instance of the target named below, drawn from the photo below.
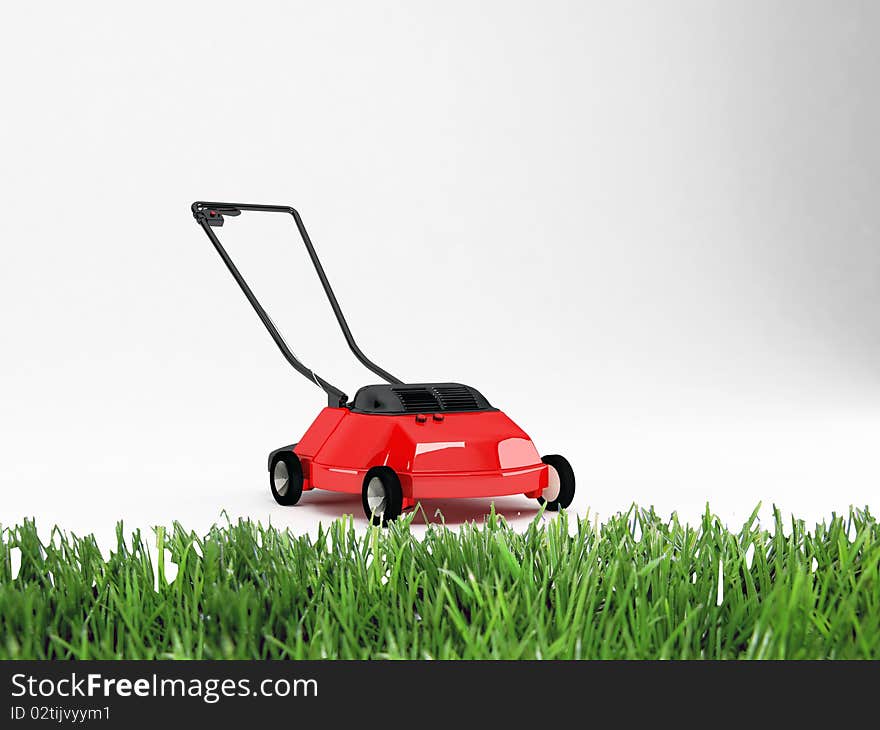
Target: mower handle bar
(210, 215)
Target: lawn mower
(396, 443)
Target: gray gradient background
(647, 231)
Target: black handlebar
(211, 215)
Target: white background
(646, 231)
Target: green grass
(637, 586)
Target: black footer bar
(227, 694)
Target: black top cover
(419, 398)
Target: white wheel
(377, 500)
(551, 492)
(286, 478)
(281, 478)
(559, 491)
(381, 495)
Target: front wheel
(382, 496)
(286, 478)
(560, 483)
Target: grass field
(637, 586)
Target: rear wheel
(286, 478)
(382, 496)
(560, 483)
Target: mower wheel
(560, 487)
(286, 478)
(382, 496)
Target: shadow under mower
(396, 443)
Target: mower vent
(456, 398)
(419, 398)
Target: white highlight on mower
(427, 448)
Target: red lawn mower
(396, 443)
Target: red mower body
(439, 455)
